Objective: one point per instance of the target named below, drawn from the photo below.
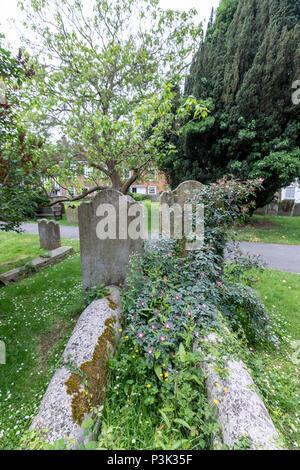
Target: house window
(290, 192)
(152, 190)
(72, 192)
(87, 171)
(133, 189)
(55, 192)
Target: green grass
(283, 230)
(62, 221)
(152, 221)
(37, 316)
(274, 369)
(17, 249)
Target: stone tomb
(111, 229)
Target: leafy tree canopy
(105, 71)
(20, 152)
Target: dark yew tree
(245, 70)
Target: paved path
(66, 231)
(281, 257)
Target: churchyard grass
(152, 207)
(37, 316)
(17, 249)
(277, 371)
(283, 230)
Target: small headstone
(172, 205)
(49, 232)
(296, 212)
(285, 208)
(72, 214)
(111, 229)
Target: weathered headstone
(285, 208)
(72, 214)
(49, 232)
(296, 212)
(173, 219)
(111, 229)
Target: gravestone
(72, 214)
(285, 208)
(49, 232)
(111, 229)
(296, 212)
(174, 202)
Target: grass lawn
(152, 221)
(275, 371)
(285, 230)
(63, 221)
(16, 249)
(37, 316)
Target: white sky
(9, 10)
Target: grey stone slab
(39, 263)
(54, 418)
(239, 410)
(105, 261)
(49, 233)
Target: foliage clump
(244, 70)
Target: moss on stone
(88, 385)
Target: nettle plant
(174, 298)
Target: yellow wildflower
(216, 402)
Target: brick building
(152, 183)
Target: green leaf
(182, 422)
(181, 352)
(158, 371)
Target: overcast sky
(10, 10)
